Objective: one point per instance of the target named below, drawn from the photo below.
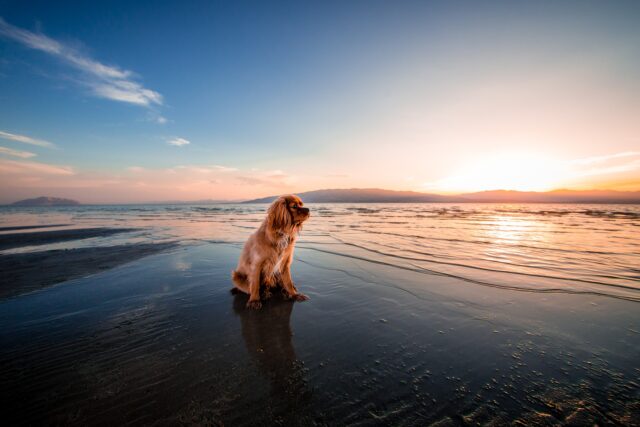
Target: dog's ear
(278, 216)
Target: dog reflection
(267, 335)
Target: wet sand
(31, 227)
(28, 272)
(162, 341)
(16, 240)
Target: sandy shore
(161, 340)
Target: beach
(149, 332)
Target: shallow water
(533, 247)
(419, 314)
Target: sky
(110, 102)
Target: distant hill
(376, 195)
(555, 196)
(363, 195)
(46, 201)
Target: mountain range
(377, 195)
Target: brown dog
(267, 255)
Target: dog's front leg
(254, 288)
(287, 283)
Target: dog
(266, 258)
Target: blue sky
(274, 97)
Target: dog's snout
(304, 210)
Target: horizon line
(245, 200)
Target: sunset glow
(508, 171)
(427, 97)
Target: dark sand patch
(31, 227)
(17, 240)
(161, 341)
(22, 273)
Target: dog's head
(287, 213)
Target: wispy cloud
(155, 117)
(105, 81)
(126, 91)
(609, 168)
(605, 158)
(178, 142)
(250, 180)
(204, 169)
(224, 168)
(16, 153)
(214, 174)
(14, 167)
(273, 179)
(26, 139)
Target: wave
(475, 267)
(493, 242)
(422, 270)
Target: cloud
(274, 179)
(125, 91)
(16, 153)
(194, 169)
(198, 175)
(155, 117)
(276, 174)
(611, 169)
(26, 139)
(15, 167)
(250, 180)
(608, 164)
(178, 142)
(104, 81)
(203, 169)
(224, 168)
(605, 158)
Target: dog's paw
(267, 295)
(254, 305)
(300, 297)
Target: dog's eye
(294, 206)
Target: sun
(521, 171)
